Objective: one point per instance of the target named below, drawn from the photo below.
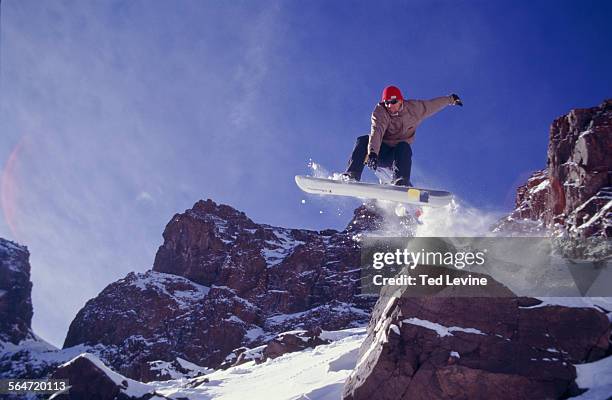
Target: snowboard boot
(402, 182)
(348, 177)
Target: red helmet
(390, 93)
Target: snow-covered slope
(315, 374)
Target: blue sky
(119, 114)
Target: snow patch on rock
(441, 330)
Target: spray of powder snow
(457, 219)
(338, 205)
(453, 220)
(318, 171)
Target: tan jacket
(401, 127)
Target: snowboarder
(394, 123)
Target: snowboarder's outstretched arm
(412, 113)
(426, 108)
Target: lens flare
(8, 187)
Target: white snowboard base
(400, 194)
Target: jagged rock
(575, 189)
(219, 282)
(530, 207)
(477, 348)
(155, 316)
(90, 379)
(198, 243)
(579, 151)
(242, 355)
(283, 343)
(15, 292)
(22, 353)
(593, 217)
(288, 342)
(281, 269)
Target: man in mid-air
(394, 123)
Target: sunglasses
(392, 101)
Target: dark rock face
(19, 347)
(197, 243)
(284, 270)
(154, 316)
(15, 292)
(476, 348)
(575, 189)
(91, 380)
(219, 282)
(579, 159)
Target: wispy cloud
(253, 68)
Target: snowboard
(400, 194)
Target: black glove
(456, 101)
(372, 161)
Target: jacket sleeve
(380, 122)
(426, 108)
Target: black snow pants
(398, 158)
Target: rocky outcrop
(475, 348)
(574, 192)
(289, 342)
(283, 343)
(154, 316)
(283, 270)
(15, 292)
(243, 355)
(90, 379)
(20, 348)
(219, 282)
